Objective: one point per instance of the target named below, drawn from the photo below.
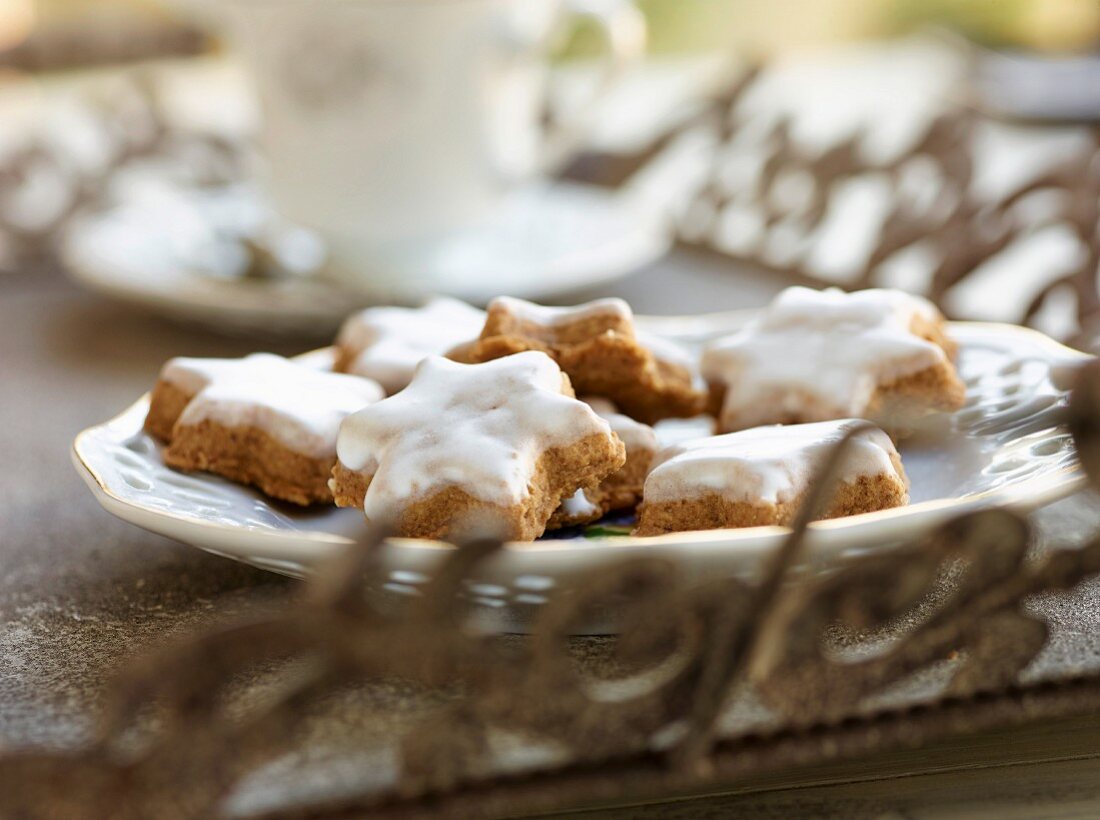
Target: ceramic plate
(1005, 447)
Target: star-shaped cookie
(487, 448)
(261, 420)
(387, 343)
(761, 476)
(597, 346)
(817, 355)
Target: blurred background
(944, 147)
(45, 34)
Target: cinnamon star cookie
(387, 343)
(261, 420)
(761, 476)
(597, 346)
(483, 449)
(813, 355)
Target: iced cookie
(465, 449)
(387, 343)
(622, 490)
(261, 420)
(818, 355)
(596, 345)
(761, 476)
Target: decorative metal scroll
(173, 742)
(931, 202)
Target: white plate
(1004, 448)
(176, 249)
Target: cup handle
(623, 29)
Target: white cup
(389, 124)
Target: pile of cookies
(447, 421)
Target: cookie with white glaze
(813, 355)
(262, 420)
(387, 343)
(761, 477)
(622, 490)
(597, 346)
(482, 449)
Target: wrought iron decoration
(958, 228)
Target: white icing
(579, 506)
(192, 375)
(674, 353)
(552, 316)
(827, 347)
(765, 464)
(481, 427)
(321, 359)
(297, 405)
(389, 342)
(635, 436)
(674, 431)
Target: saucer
(183, 251)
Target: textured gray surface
(81, 591)
(78, 589)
